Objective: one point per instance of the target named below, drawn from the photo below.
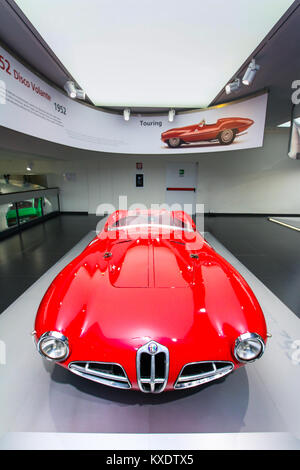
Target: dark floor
(268, 250)
(25, 256)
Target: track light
(250, 73)
(171, 115)
(80, 94)
(233, 86)
(70, 89)
(74, 92)
(126, 114)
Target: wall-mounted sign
(139, 180)
(31, 106)
(69, 176)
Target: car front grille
(105, 373)
(152, 365)
(198, 373)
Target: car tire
(227, 136)
(174, 142)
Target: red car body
(147, 292)
(224, 130)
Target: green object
(181, 172)
(27, 210)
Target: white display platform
(44, 406)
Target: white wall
(72, 179)
(261, 180)
(116, 177)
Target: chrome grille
(152, 366)
(198, 373)
(106, 373)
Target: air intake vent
(152, 363)
(198, 373)
(105, 373)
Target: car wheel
(174, 142)
(226, 137)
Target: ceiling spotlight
(233, 86)
(70, 89)
(80, 94)
(250, 73)
(171, 115)
(29, 167)
(126, 114)
(74, 92)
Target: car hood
(128, 292)
(181, 129)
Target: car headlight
(53, 345)
(248, 347)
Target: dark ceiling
(277, 55)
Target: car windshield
(25, 204)
(164, 220)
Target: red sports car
(224, 131)
(150, 306)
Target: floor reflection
(79, 405)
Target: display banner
(31, 106)
(294, 144)
(294, 139)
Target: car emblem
(152, 348)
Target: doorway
(181, 186)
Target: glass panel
(50, 204)
(29, 209)
(8, 216)
(145, 219)
(16, 183)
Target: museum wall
(262, 180)
(72, 180)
